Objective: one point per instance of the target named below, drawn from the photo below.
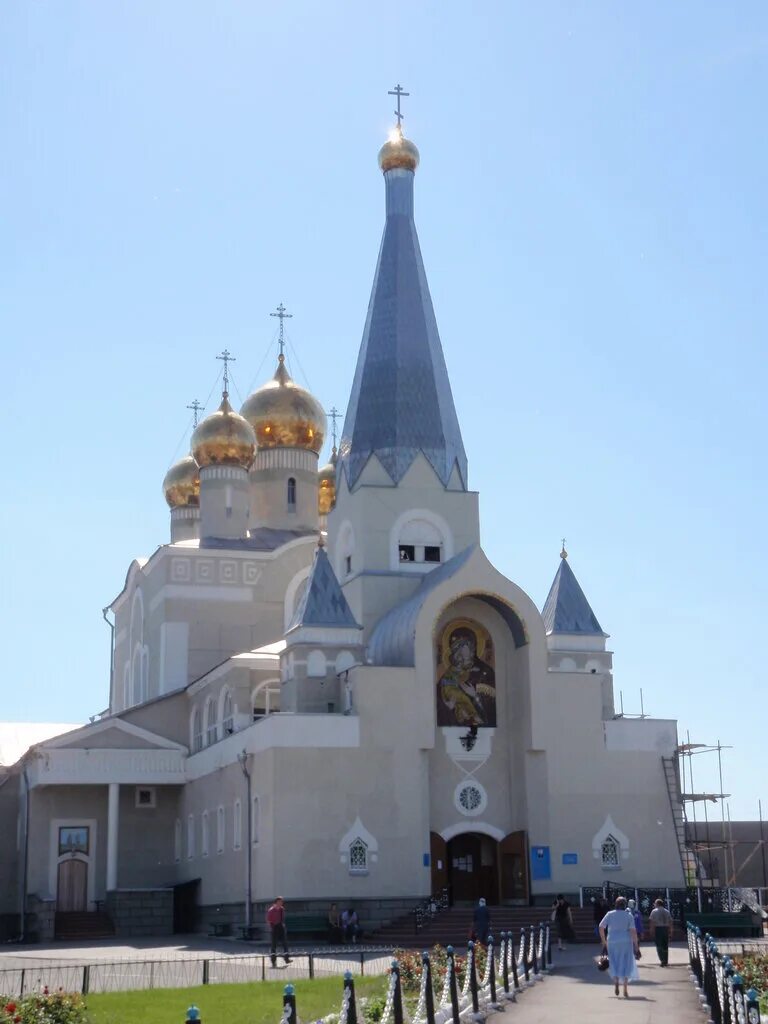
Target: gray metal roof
(263, 538)
(566, 609)
(323, 602)
(401, 401)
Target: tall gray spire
(401, 401)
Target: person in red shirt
(278, 934)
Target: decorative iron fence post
(504, 964)
(454, 990)
(492, 976)
(206, 971)
(289, 1004)
(513, 962)
(753, 1007)
(349, 986)
(472, 977)
(524, 956)
(193, 1015)
(397, 1006)
(429, 994)
(534, 962)
(86, 979)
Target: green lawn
(257, 1003)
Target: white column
(113, 818)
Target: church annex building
(321, 687)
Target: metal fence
(134, 975)
(680, 901)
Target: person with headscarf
(481, 922)
(618, 935)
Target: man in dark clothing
(481, 922)
(276, 922)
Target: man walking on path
(661, 929)
(276, 922)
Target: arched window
(190, 837)
(237, 826)
(136, 675)
(358, 857)
(291, 494)
(419, 539)
(145, 673)
(211, 730)
(220, 830)
(227, 715)
(609, 852)
(204, 835)
(127, 686)
(265, 699)
(197, 731)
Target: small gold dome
(224, 438)
(182, 484)
(284, 415)
(326, 491)
(398, 151)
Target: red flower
(10, 1007)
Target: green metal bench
(311, 926)
(722, 924)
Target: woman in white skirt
(622, 945)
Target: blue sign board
(541, 868)
(570, 858)
(425, 860)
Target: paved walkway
(577, 992)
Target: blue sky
(592, 211)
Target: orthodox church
(320, 687)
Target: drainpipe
(111, 656)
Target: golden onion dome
(182, 484)
(284, 415)
(224, 439)
(326, 491)
(398, 151)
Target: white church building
(321, 687)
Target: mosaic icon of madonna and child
(466, 677)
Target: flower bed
(43, 1008)
(410, 966)
(753, 967)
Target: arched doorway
(473, 868)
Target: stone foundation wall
(373, 914)
(136, 912)
(40, 919)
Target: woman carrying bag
(621, 943)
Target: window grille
(358, 857)
(609, 852)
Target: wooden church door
(72, 885)
(438, 859)
(513, 851)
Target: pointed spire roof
(323, 602)
(566, 609)
(401, 401)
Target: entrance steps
(452, 927)
(75, 925)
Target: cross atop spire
(563, 552)
(398, 91)
(226, 357)
(334, 414)
(282, 315)
(197, 407)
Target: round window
(470, 798)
